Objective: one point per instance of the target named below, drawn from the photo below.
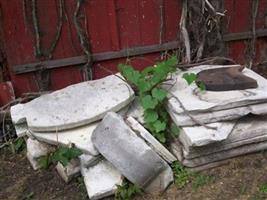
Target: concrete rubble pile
(105, 121)
(217, 125)
(94, 116)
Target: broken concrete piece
(151, 141)
(21, 129)
(89, 160)
(126, 151)
(200, 136)
(33, 161)
(195, 101)
(37, 149)
(68, 172)
(101, 180)
(161, 182)
(215, 116)
(225, 79)
(74, 106)
(80, 137)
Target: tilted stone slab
(126, 151)
(74, 106)
(80, 137)
(215, 116)
(196, 101)
(151, 141)
(197, 136)
(101, 180)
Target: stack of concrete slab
(113, 148)
(217, 125)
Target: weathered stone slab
(151, 141)
(74, 106)
(197, 136)
(101, 180)
(215, 116)
(225, 79)
(70, 171)
(126, 151)
(21, 129)
(222, 155)
(35, 150)
(80, 137)
(195, 101)
(161, 182)
(251, 129)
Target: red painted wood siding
(112, 25)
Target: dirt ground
(240, 179)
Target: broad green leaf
(144, 86)
(129, 73)
(148, 71)
(159, 126)
(149, 102)
(159, 94)
(189, 77)
(150, 116)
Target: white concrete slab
(150, 140)
(249, 130)
(37, 149)
(197, 136)
(220, 115)
(206, 101)
(70, 171)
(74, 106)
(80, 137)
(101, 180)
(222, 155)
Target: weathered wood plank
(51, 64)
(244, 35)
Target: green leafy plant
(181, 175)
(28, 196)
(192, 78)
(200, 180)
(152, 96)
(17, 145)
(263, 188)
(127, 191)
(62, 155)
